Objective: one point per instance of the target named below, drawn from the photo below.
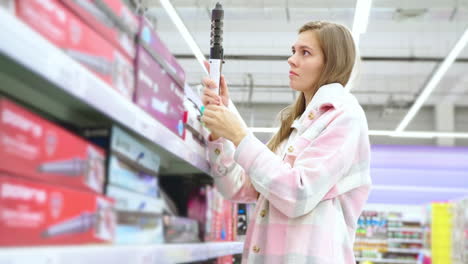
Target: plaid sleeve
(230, 178)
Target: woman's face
(306, 62)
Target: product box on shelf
(195, 133)
(33, 147)
(158, 94)
(126, 200)
(139, 228)
(180, 229)
(112, 19)
(122, 175)
(35, 213)
(151, 42)
(64, 29)
(128, 148)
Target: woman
(311, 180)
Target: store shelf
(405, 261)
(390, 240)
(161, 254)
(404, 250)
(35, 71)
(404, 240)
(372, 240)
(405, 229)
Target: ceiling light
(435, 79)
(361, 18)
(184, 32)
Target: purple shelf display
(418, 174)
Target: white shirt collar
(328, 95)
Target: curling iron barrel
(216, 44)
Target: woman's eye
(293, 51)
(305, 52)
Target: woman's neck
(308, 97)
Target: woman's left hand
(224, 123)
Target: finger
(207, 82)
(213, 107)
(223, 86)
(207, 65)
(207, 120)
(210, 83)
(209, 92)
(211, 99)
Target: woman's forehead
(307, 39)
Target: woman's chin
(294, 87)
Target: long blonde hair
(339, 56)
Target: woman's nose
(292, 61)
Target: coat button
(263, 213)
(222, 170)
(256, 249)
(217, 151)
(290, 149)
(311, 116)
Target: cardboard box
(121, 174)
(112, 19)
(34, 213)
(134, 150)
(33, 147)
(158, 94)
(129, 201)
(180, 229)
(130, 148)
(148, 38)
(64, 29)
(139, 228)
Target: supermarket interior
(103, 153)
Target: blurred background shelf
(161, 254)
(403, 261)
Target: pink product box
(63, 28)
(33, 147)
(158, 94)
(112, 19)
(153, 44)
(34, 213)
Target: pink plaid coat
(310, 193)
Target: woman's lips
(291, 73)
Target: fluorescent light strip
(434, 81)
(361, 18)
(184, 32)
(387, 133)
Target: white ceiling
(404, 43)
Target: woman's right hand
(209, 95)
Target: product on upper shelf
(195, 133)
(36, 213)
(64, 29)
(159, 84)
(111, 19)
(149, 39)
(33, 147)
